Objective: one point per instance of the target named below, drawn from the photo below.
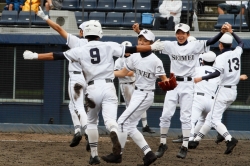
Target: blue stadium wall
(53, 107)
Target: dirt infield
(53, 150)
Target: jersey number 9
(94, 53)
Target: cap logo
(180, 25)
(145, 32)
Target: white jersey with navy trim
(119, 65)
(229, 65)
(184, 57)
(72, 42)
(206, 86)
(146, 70)
(96, 59)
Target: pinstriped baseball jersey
(184, 58)
(119, 65)
(146, 70)
(72, 42)
(206, 86)
(229, 65)
(97, 62)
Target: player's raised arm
(51, 23)
(136, 28)
(28, 55)
(225, 28)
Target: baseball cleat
(111, 158)
(193, 144)
(94, 161)
(87, 143)
(161, 150)
(179, 140)
(219, 138)
(76, 139)
(230, 145)
(147, 129)
(149, 158)
(182, 153)
(116, 144)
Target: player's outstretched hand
(157, 46)
(197, 79)
(243, 77)
(42, 15)
(30, 55)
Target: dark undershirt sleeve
(130, 49)
(58, 56)
(214, 39)
(212, 75)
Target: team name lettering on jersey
(183, 58)
(142, 73)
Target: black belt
(77, 72)
(178, 78)
(128, 83)
(107, 81)
(143, 89)
(203, 94)
(227, 86)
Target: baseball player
(184, 56)
(77, 83)
(228, 67)
(203, 96)
(97, 65)
(127, 87)
(147, 68)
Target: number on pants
(236, 61)
(94, 53)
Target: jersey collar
(183, 43)
(225, 50)
(145, 54)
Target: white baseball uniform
(98, 67)
(183, 62)
(147, 70)
(203, 98)
(76, 87)
(229, 65)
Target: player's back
(96, 59)
(206, 86)
(229, 64)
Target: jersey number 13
(235, 61)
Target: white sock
(144, 119)
(203, 131)
(185, 134)
(93, 136)
(141, 142)
(122, 136)
(164, 132)
(197, 129)
(221, 128)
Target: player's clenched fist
(30, 55)
(157, 46)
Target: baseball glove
(168, 85)
(88, 102)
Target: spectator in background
(31, 5)
(53, 4)
(14, 5)
(170, 11)
(229, 5)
